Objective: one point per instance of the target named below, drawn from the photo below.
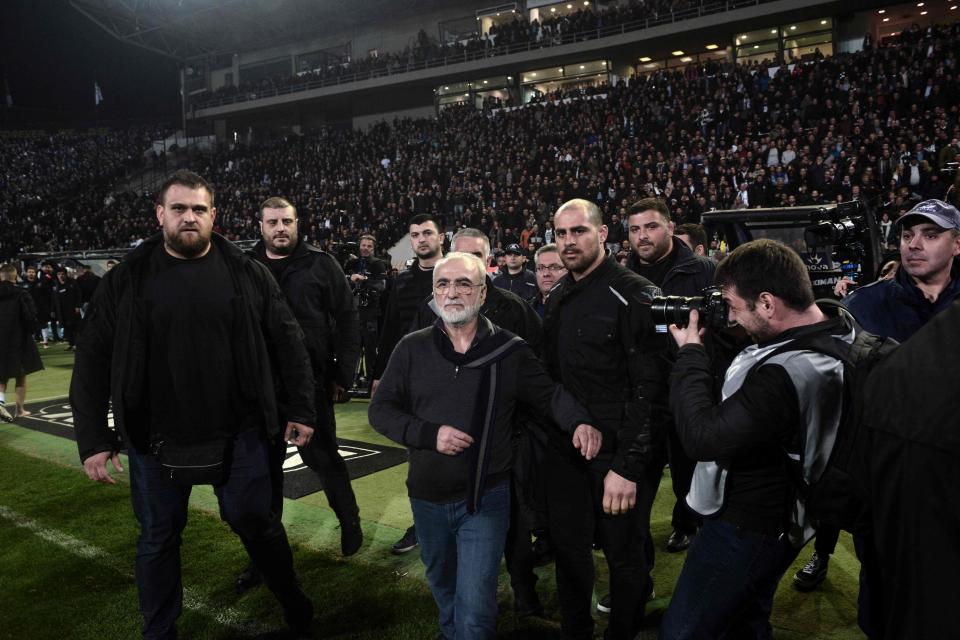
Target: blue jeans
(160, 505)
(461, 553)
(726, 587)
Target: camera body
(711, 307)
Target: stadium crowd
(500, 39)
(879, 125)
(567, 180)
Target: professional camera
(676, 309)
(840, 233)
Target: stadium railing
(703, 9)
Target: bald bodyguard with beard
(184, 338)
(449, 394)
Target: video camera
(834, 240)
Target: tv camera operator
(368, 279)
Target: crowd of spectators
(880, 125)
(584, 23)
(55, 188)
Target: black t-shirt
(192, 382)
(657, 271)
(278, 266)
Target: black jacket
(112, 351)
(317, 293)
(689, 275)
(599, 341)
(403, 303)
(67, 300)
(421, 390)
(18, 322)
(523, 284)
(912, 474)
(502, 308)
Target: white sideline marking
(224, 615)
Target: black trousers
(683, 518)
(323, 457)
(575, 512)
(369, 337)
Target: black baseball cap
(514, 249)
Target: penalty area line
(225, 616)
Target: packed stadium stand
(878, 125)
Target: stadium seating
(878, 125)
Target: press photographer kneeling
(781, 406)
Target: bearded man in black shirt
(184, 337)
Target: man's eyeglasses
(556, 268)
(462, 287)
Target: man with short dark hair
(694, 236)
(449, 394)
(184, 338)
(600, 342)
(67, 301)
(517, 278)
(316, 290)
(776, 407)
(409, 289)
(549, 271)
(667, 262)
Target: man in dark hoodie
(184, 337)
(449, 394)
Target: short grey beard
(459, 318)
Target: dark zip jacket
(689, 275)
(600, 342)
(112, 351)
(317, 292)
(421, 390)
(897, 308)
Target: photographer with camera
(752, 446)
(368, 278)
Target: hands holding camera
(690, 334)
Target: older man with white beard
(449, 394)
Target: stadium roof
(183, 29)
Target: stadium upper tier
(879, 125)
(514, 36)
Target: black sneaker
(5, 415)
(299, 617)
(812, 574)
(604, 606)
(405, 544)
(351, 537)
(249, 579)
(679, 541)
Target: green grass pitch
(67, 548)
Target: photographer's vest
(818, 381)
